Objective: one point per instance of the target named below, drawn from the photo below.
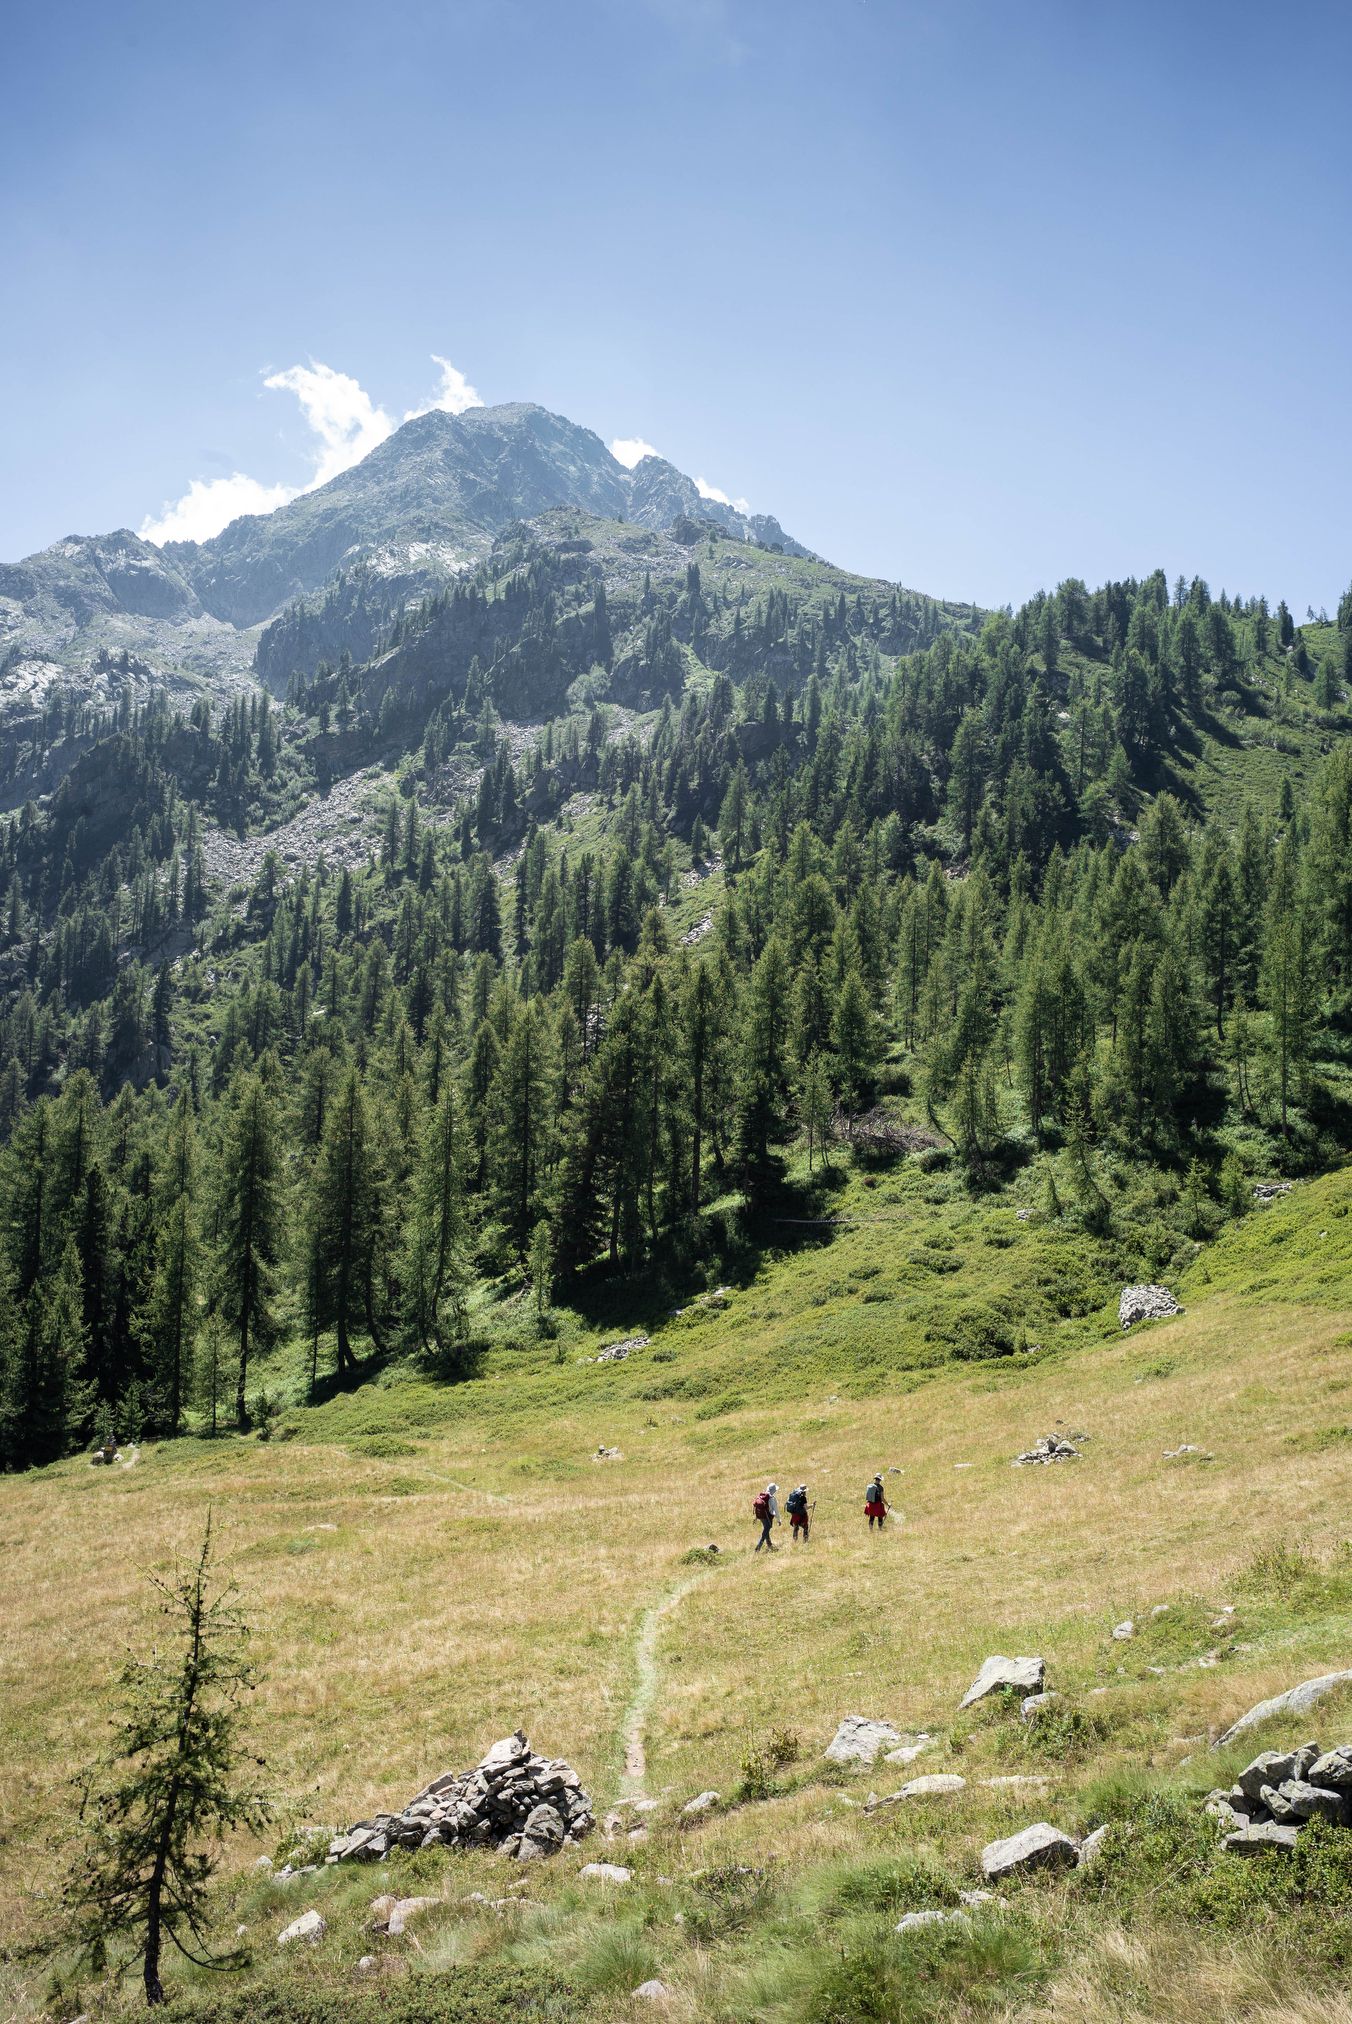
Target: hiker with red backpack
(766, 1511)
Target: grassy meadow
(429, 1566)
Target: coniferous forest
(1069, 884)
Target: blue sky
(975, 296)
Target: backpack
(797, 1501)
(761, 1508)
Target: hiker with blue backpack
(766, 1511)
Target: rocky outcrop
(1295, 1701)
(1146, 1303)
(860, 1739)
(524, 1805)
(1052, 1448)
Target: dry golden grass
(405, 1617)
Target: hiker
(766, 1511)
(800, 1519)
(875, 1503)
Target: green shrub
(482, 1995)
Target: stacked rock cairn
(1279, 1792)
(523, 1805)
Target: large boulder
(1309, 1801)
(1024, 1675)
(606, 1872)
(1038, 1847)
(1295, 1701)
(860, 1739)
(935, 1786)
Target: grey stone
(908, 1752)
(860, 1739)
(1279, 1808)
(1309, 1801)
(1017, 1781)
(703, 1802)
(1333, 1769)
(1034, 1705)
(1124, 1630)
(606, 1872)
(1040, 1846)
(935, 1786)
(1295, 1701)
(1274, 1767)
(366, 1965)
(1024, 1675)
(405, 1911)
(1264, 1835)
(974, 1899)
(309, 1927)
(653, 1991)
(1092, 1847)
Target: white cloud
(347, 425)
(340, 411)
(212, 503)
(708, 491)
(631, 450)
(453, 396)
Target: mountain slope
(424, 506)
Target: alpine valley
(532, 1005)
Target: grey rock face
(1146, 1303)
(860, 1739)
(1274, 1767)
(1295, 1701)
(1092, 1847)
(1038, 1847)
(1025, 1675)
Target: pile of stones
(523, 1805)
(1146, 1303)
(1280, 1792)
(1052, 1448)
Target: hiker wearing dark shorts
(800, 1518)
(766, 1509)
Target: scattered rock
(1187, 1448)
(974, 1899)
(908, 1752)
(1295, 1701)
(604, 1454)
(309, 1927)
(616, 1352)
(366, 1965)
(1273, 1767)
(525, 1805)
(606, 1872)
(1038, 1847)
(1124, 1630)
(1146, 1303)
(381, 1908)
(1092, 1847)
(653, 1991)
(264, 1862)
(703, 1802)
(405, 1911)
(1268, 1191)
(860, 1739)
(1034, 1705)
(1026, 1675)
(1017, 1781)
(1254, 1840)
(934, 1786)
(914, 1921)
